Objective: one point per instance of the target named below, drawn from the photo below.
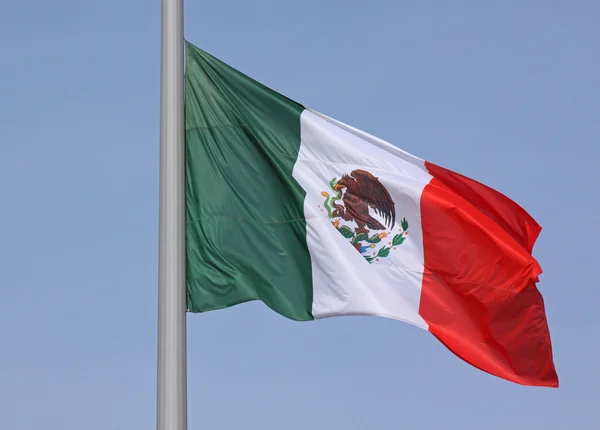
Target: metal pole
(172, 379)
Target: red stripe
(479, 295)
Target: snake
(329, 200)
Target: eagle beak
(338, 187)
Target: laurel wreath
(396, 241)
(348, 233)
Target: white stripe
(344, 282)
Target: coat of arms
(350, 210)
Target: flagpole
(171, 365)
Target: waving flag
(318, 219)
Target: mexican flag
(318, 219)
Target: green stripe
(246, 233)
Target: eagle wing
(376, 196)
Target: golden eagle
(364, 191)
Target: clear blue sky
(507, 92)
